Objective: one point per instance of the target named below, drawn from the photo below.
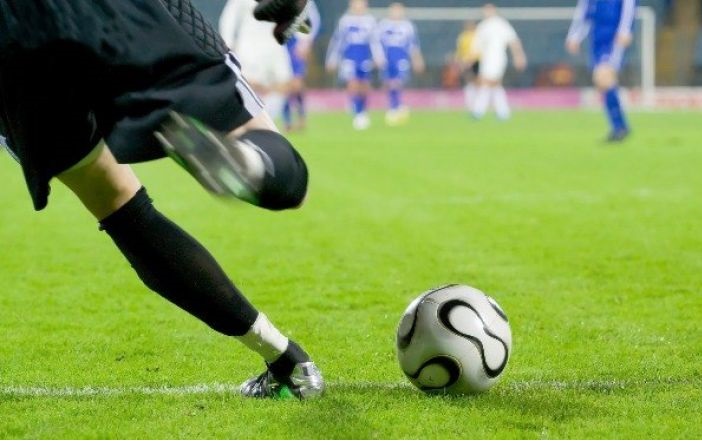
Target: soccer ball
(453, 340)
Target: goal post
(442, 38)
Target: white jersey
(264, 61)
(493, 36)
(238, 23)
(492, 39)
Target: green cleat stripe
(284, 393)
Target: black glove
(290, 16)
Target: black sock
(284, 365)
(176, 266)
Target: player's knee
(353, 86)
(604, 77)
(285, 182)
(298, 84)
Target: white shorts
(493, 68)
(264, 65)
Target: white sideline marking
(226, 389)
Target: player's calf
(173, 264)
(102, 185)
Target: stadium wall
(670, 98)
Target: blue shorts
(298, 64)
(359, 70)
(398, 70)
(607, 53)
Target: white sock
(501, 104)
(481, 102)
(264, 339)
(468, 94)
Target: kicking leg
(176, 266)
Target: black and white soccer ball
(454, 340)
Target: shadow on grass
(400, 411)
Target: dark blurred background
(678, 42)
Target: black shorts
(475, 68)
(73, 72)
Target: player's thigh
(397, 74)
(254, 67)
(493, 69)
(299, 66)
(46, 110)
(404, 68)
(262, 121)
(102, 184)
(364, 70)
(397, 79)
(347, 71)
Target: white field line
(229, 389)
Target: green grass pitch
(595, 253)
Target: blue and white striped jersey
(603, 19)
(398, 39)
(355, 39)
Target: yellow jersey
(464, 45)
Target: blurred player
(265, 63)
(354, 50)
(120, 72)
(402, 52)
(493, 37)
(464, 57)
(610, 24)
(299, 49)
